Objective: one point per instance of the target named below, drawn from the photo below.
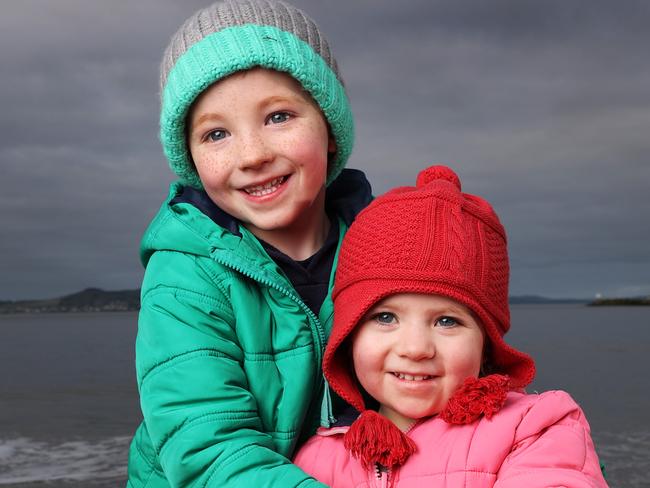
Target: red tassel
(372, 438)
(476, 397)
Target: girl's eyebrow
(383, 307)
(457, 311)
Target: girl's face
(412, 351)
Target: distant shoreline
(617, 302)
(98, 300)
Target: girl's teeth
(261, 190)
(410, 377)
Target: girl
(421, 307)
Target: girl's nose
(416, 342)
(253, 150)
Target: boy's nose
(253, 151)
(416, 342)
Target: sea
(69, 402)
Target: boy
(239, 260)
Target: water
(600, 356)
(69, 404)
(68, 399)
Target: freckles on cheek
(208, 161)
(310, 152)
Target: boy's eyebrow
(210, 116)
(206, 117)
(282, 98)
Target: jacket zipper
(313, 320)
(382, 474)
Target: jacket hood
(190, 222)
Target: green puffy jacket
(227, 355)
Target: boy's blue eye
(447, 321)
(217, 135)
(385, 318)
(278, 117)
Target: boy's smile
(412, 351)
(263, 189)
(260, 145)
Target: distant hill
(88, 300)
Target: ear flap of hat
(339, 371)
(372, 438)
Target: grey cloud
(542, 107)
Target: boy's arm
(199, 413)
(552, 447)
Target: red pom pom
(372, 438)
(438, 172)
(476, 397)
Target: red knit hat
(432, 239)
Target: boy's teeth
(265, 189)
(410, 377)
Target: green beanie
(231, 36)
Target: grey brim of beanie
(240, 48)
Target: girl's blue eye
(385, 318)
(217, 135)
(447, 322)
(278, 117)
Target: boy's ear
(331, 145)
(331, 153)
(331, 149)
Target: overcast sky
(542, 107)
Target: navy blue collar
(346, 196)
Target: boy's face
(411, 352)
(260, 145)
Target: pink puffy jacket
(533, 441)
